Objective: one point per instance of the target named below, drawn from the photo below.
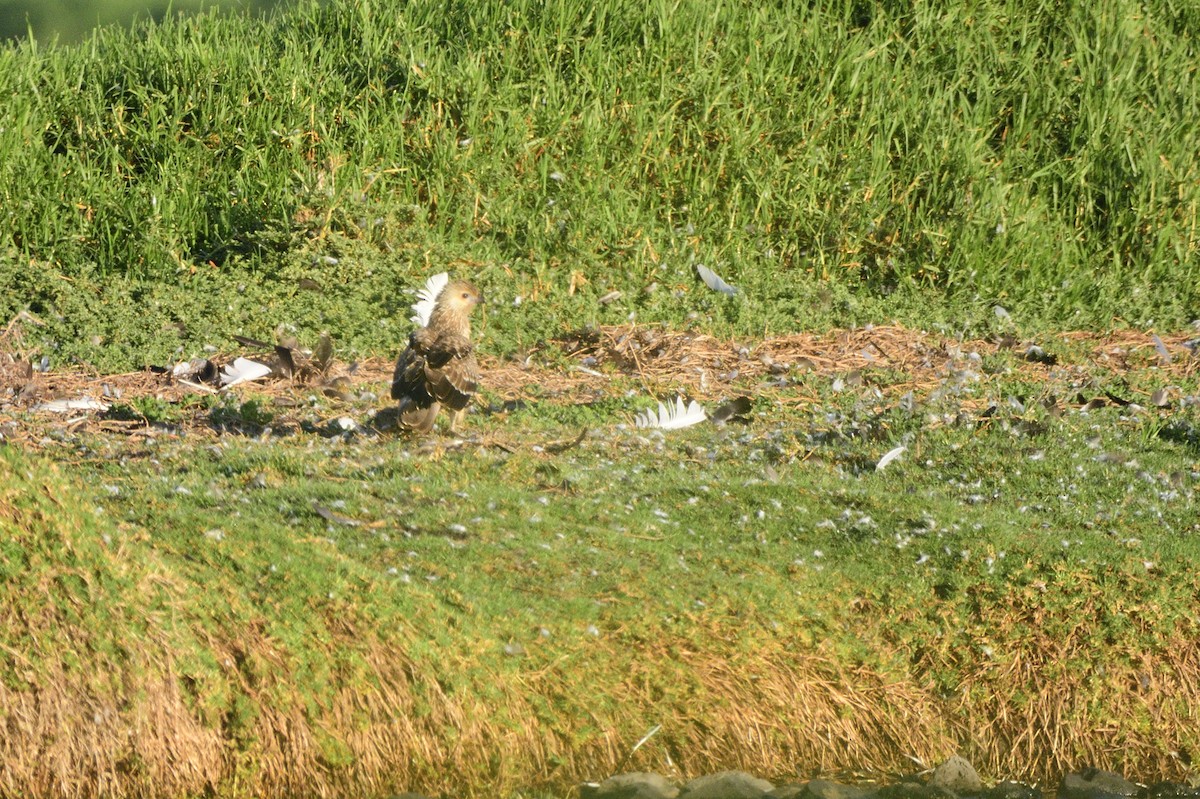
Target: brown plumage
(438, 367)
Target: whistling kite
(438, 367)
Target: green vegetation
(844, 163)
(268, 593)
(315, 605)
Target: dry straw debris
(665, 362)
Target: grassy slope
(309, 611)
(164, 188)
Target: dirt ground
(583, 365)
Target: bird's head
(460, 297)
(454, 305)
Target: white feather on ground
(713, 280)
(243, 370)
(68, 405)
(672, 416)
(888, 457)
(427, 298)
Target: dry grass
(772, 711)
(78, 721)
(1037, 702)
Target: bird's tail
(416, 417)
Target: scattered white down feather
(427, 298)
(672, 415)
(243, 370)
(888, 457)
(713, 280)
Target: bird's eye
(465, 295)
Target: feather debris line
(243, 370)
(672, 415)
(714, 281)
(288, 360)
(198, 369)
(427, 298)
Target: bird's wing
(440, 348)
(451, 371)
(418, 409)
(408, 378)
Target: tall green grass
(819, 156)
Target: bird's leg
(454, 417)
